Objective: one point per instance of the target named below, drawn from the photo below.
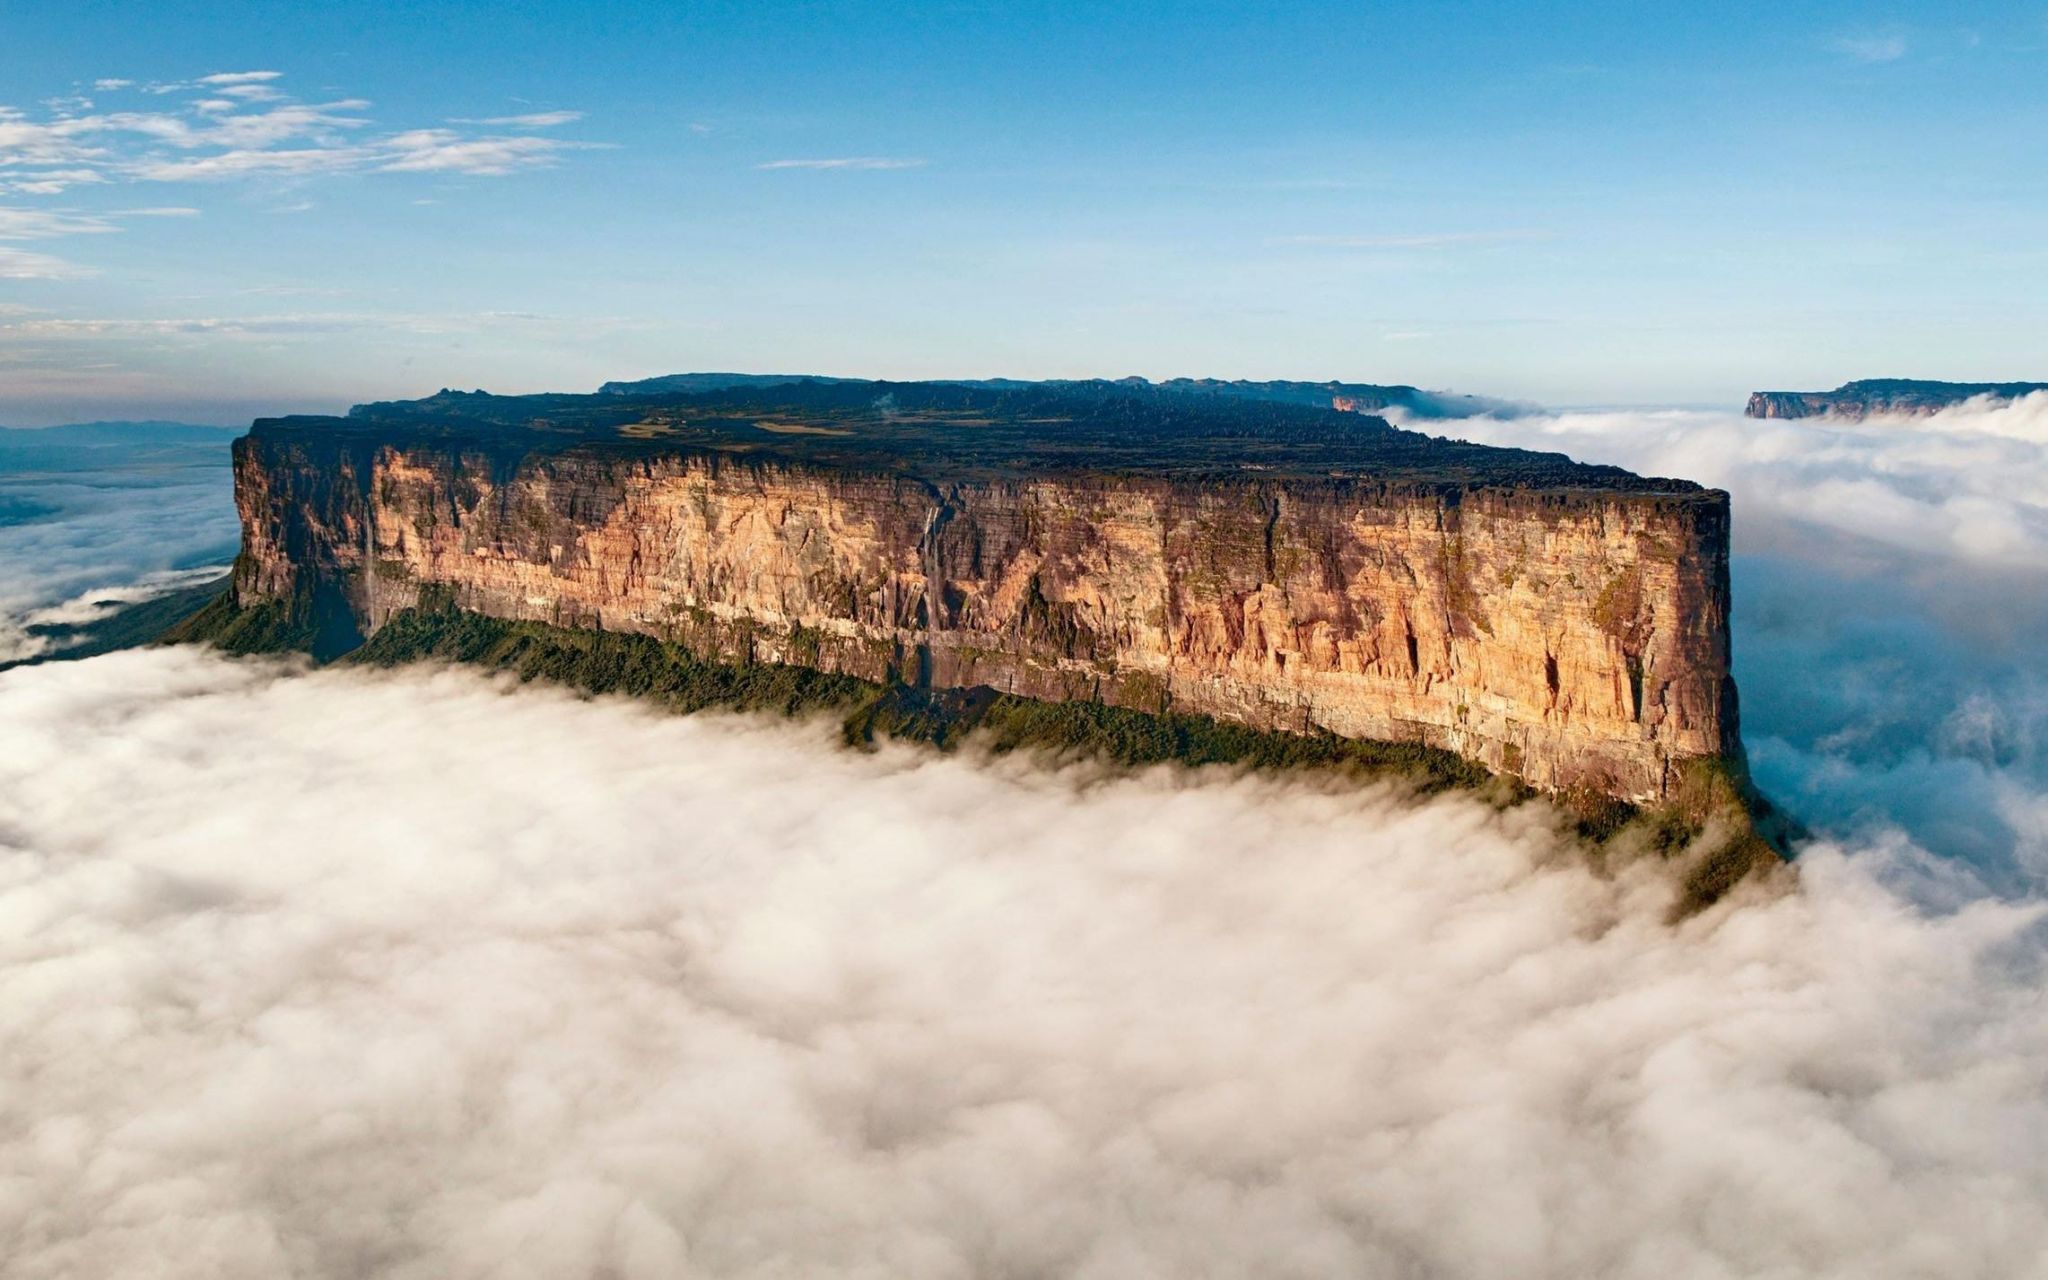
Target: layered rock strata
(1572, 633)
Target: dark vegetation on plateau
(1719, 830)
(949, 432)
(1364, 397)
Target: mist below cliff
(1891, 596)
(340, 974)
(106, 512)
(335, 973)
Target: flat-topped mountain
(1293, 569)
(1349, 397)
(1910, 397)
(943, 430)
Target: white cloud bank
(1891, 596)
(336, 975)
(1970, 482)
(107, 525)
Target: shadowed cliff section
(1908, 397)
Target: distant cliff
(1347, 397)
(1904, 396)
(1284, 568)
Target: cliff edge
(1289, 569)
(1905, 397)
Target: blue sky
(1597, 203)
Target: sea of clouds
(1891, 610)
(85, 527)
(342, 974)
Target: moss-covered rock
(318, 622)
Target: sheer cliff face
(1909, 397)
(1570, 637)
(1798, 404)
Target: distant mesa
(1906, 397)
(1346, 397)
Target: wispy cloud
(1413, 240)
(51, 224)
(443, 151)
(1873, 47)
(53, 182)
(241, 124)
(252, 163)
(846, 162)
(285, 325)
(19, 264)
(230, 126)
(235, 326)
(532, 120)
(48, 224)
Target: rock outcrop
(1906, 397)
(1290, 569)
